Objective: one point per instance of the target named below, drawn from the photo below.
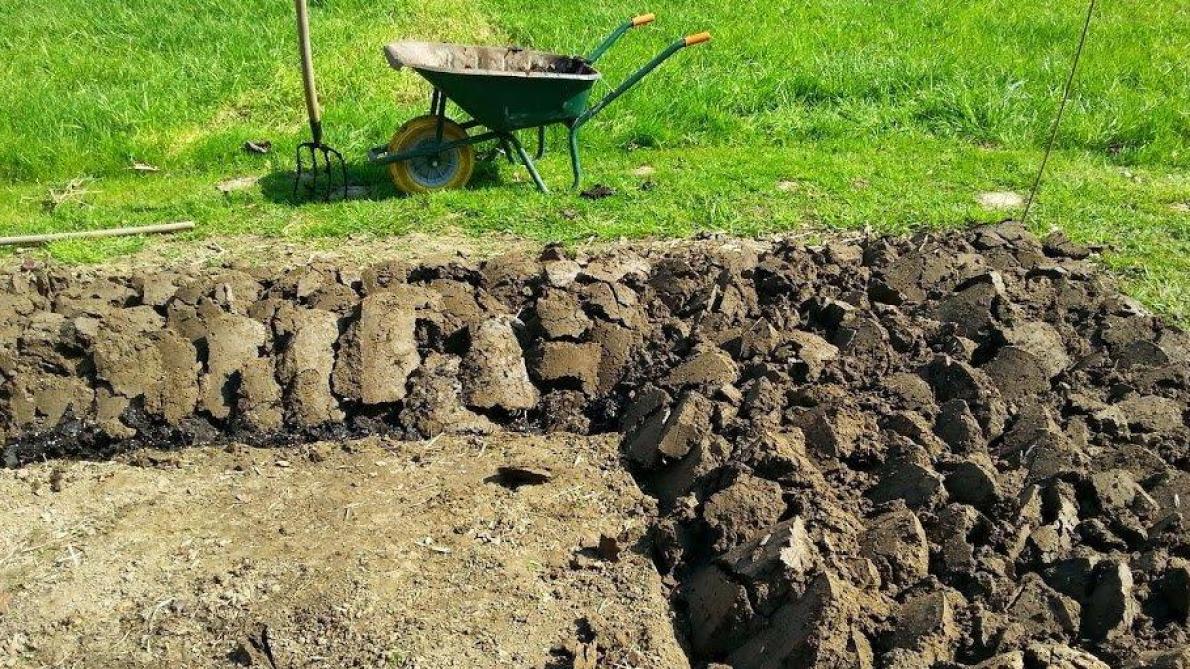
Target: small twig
(149, 622)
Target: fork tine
(316, 171)
(342, 169)
(313, 167)
(330, 182)
(297, 177)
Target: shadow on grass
(365, 182)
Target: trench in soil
(880, 452)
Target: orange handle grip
(699, 38)
(643, 19)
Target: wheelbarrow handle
(690, 40)
(634, 22)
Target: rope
(1082, 40)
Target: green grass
(825, 113)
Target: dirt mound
(958, 449)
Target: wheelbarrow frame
(575, 114)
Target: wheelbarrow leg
(575, 165)
(528, 162)
(540, 143)
(506, 147)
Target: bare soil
(365, 553)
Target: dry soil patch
(361, 553)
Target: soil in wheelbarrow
(965, 449)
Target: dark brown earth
(939, 451)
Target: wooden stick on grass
(90, 234)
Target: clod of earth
(951, 450)
(379, 349)
(494, 374)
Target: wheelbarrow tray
(503, 88)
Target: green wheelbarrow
(503, 90)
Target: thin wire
(1061, 108)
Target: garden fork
(314, 147)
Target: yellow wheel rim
(448, 169)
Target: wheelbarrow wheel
(450, 168)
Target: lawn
(822, 114)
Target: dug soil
(952, 450)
